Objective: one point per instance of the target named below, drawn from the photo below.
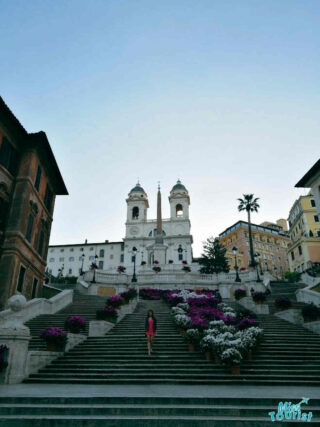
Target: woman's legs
(149, 344)
(151, 341)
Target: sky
(221, 94)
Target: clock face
(134, 230)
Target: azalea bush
(231, 356)
(108, 313)
(258, 296)
(282, 303)
(246, 322)
(54, 336)
(75, 324)
(192, 336)
(4, 352)
(115, 301)
(129, 295)
(310, 312)
(240, 293)
(150, 293)
(182, 321)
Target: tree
(213, 259)
(249, 204)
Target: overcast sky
(223, 94)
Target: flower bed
(75, 324)
(109, 314)
(55, 338)
(115, 301)
(129, 295)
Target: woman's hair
(149, 312)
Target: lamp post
(235, 250)
(257, 256)
(94, 269)
(82, 261)
(134, 254)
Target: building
(72, 259)
(29, 182)
(312, 180)
(269, 241)
(171, 244)
(304, 230)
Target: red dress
(150, 330)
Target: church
(166, 240)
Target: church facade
(167, 240)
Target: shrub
(170, 261)
(246, 323)
(108, 313)
(75, 324)
(310, 312)
(192, 336)
(156, 269)
(282, 303)
(54, 336)
(258, 296)
(240, 293)
(128, 295)
(292, 276)
(115, 301)
(150, 293)
(182, 321)
(231, 356)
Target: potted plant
(240, 293)
(155, 261)
(258, 297)
(184, 262)
(182, 321)
(156, 269)
(143, 263)
(115, 301)
(121, 269)
(282, 303)
(75, 324)
(129, 295)
(310, 313)
(232, 357)
(55, 338)
(108, 314)
(4, 353)
(186, 268)
(170, 261)
(192, 337)
(206, 346)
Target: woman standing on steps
(150, 329)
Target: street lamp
(134, 254)
(82, 261)
(94, 269)
(235, 250)
(257, 256)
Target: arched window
(135, 212)
(179, 210)
(154, 232)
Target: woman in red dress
(150, 329)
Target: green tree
(213, 259)
(249, 204)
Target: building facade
(140, 234)
(269, 241)
(304, 230)
(29, 182)
(312, 180)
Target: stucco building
(29, 182)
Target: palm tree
(249, 204)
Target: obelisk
(159, 236)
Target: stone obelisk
(159, 249)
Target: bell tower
(179, 202)
(137, 205)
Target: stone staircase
(145, 411)
(82, 305)
(284, 289)
(289, 355)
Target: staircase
(284, 289)
(289, 355)
(82, 305)
(238, 411)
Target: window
(135, 212)
(300, 250)
(121, 258)
(48, 198)
(180, 258)
(111, 256)
(132, 259)
(91, 249)
(101, 265)
(70, 271)
(8, 156)
(122, 246)
(316, 218)
(51, 260)
(71, 259)
(41, 242)
(71, 249)
(61, 250)
(29, 227)
(313, 203)
(101, 253)
(38, 178)
(179, 210)
(270, 248)
(22, 273)
(4, 208)
(292, 255)
(34, 288)
(61, 259)
(91, 258)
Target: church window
(179, 210)
(135, 212)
